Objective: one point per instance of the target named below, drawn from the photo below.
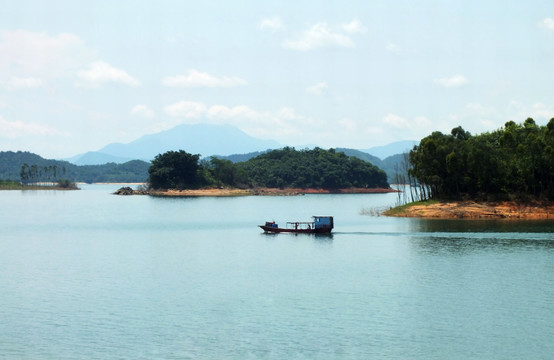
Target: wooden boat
(319, 225)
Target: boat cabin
(323, 222)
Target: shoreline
(224, 192)
(510, 210)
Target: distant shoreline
(217, 192)
(535, 210)
(12, 187)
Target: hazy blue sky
(77, 75)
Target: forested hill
(515, 160)
(44, 169)
(394, 166)
(284, 168)
(315, 168)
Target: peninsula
(534, 210)
(507, 173)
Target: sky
(78, 75)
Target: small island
(285, 171)
(504, 174)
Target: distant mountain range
(225, 142)
(203, 139)
(122, 162)
(207, 140)
(399, 147)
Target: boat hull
(271, 229)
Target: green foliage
(175, 170)
(10, 185)
(317, 168)
(31, 168)
(286, 168)
(515, 160)
(131, 171)
(67, 184)
(223, 172)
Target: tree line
(284, 168)
(516, 160)
(40, 174)
(29, 168)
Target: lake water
(90, 275)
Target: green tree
(516, 160)
(224, 172)
(24, 174)
(175, 170)
(315, 168)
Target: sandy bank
(475, 210)
(257, 191)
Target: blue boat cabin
(323, 222)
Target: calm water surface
(89, 275)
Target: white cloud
(396, 121)
(398, 127)
(143, 111)
(518, 112)
(422, 122)
(15, 129)
(284, 125)
(478, 118)
(317, 89)
(196, 78)
(548, 23)
(17, 83)
(100, 72)
(348, 125)
(454, 81)
(224, 112)
(321, 35)
(393, 48)
(29, 58)
(354, 27)
(186, 109)
(540, 110)
(272, 24)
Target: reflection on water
(461, 245)
(482, 226)
(463, 236)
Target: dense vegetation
(317, 168)
(175, 170)
(393, 165)
(514, 161)
(10, 184)
(285, 168)
(30, 168)
(279, 168)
